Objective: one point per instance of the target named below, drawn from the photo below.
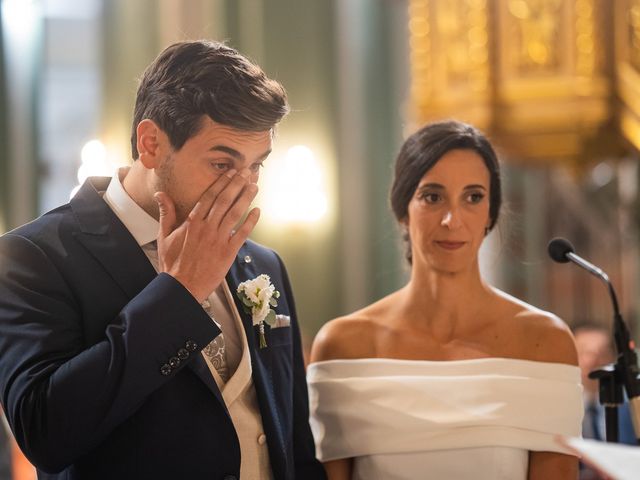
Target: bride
(448, 377)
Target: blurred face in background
(594, 351)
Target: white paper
(617, 461)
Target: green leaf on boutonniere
(273, 302)
(245, 300)
(270, 319)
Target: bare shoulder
(345, 337)
(549, 337)
(354, 335)
(542, 335)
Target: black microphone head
(558, 249)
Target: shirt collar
(142, 226)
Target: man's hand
(199, 252)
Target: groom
(125, 349)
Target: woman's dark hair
(191, 79)
(422, 150)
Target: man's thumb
(167, 213)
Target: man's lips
(450, 245)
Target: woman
(448, 377)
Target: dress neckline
(465, 361)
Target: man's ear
(150, 138)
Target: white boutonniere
(258, 296)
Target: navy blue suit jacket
(626, 434)
(86, 326)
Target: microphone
(561, 251)
(626, 370)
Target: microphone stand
(624, 373)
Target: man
(595, 350)
(125, 350)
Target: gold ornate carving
(627, 24)
(462, 27)
(535, 24)
(634, 33)
(420, 44)
(585, 38)
(536, 80)
(450, 58)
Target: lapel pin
(247, 259)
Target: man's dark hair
(191, 79)
(422, 150)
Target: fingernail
(231, 173)
(245, 173)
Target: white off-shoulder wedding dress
(450, 420)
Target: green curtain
(4, 147)
(5, 450)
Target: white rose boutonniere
(258, 296)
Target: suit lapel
(244, 268)
(241, 270)
(111, 244)
(108, 240)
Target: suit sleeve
(307, 465)
(60, 397)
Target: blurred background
(555, 84)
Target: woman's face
(449, 213)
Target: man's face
(186, 173)
(593, 352)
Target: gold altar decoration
(627, 27)
(538, 75)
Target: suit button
(174, 362)
(165, 370)
(262, 439)
(183, 354)
(191, 345)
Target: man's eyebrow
(235, 153)
(264, 155)
(228, 150)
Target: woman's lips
(449, 245)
